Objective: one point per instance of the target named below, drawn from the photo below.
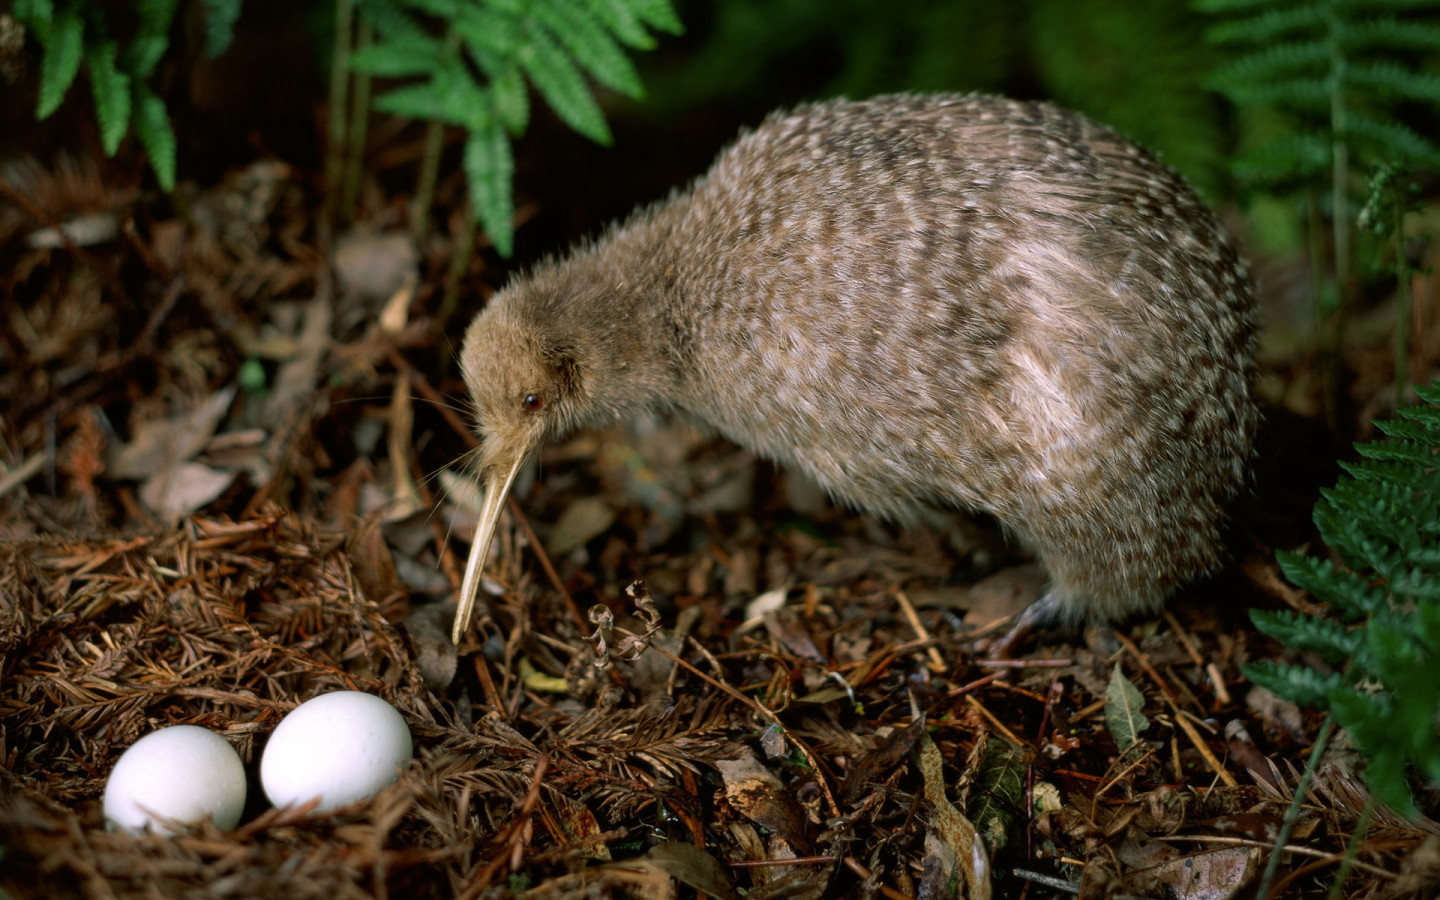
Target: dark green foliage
(1336, 70)
(76, 32)
(1383, 521)
(1129, 63)
(472, 60)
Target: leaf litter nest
(519, 790)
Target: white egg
(339, 747)
(183, 773)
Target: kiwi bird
(921, 301)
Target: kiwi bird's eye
(532, 402)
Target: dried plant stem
(339, 82)
(1292, 815)
(359, 127)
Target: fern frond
(152, 37)
(1392, 139)
(1231, 6)
(1304, 93)
(622, 22)
(511, 99)
(1401, 451)
(398, 58)
(489, 166)
(220, 19)
(1430, 393)
(64, 49)
(1411, 428)
(1390, 79)
(560, 83)
(441, 9)
(1388, 5)
(1394, 34)
(1306, 687)
(36, 15)
(111, 89)
(1284, 60)
(1325, 637)
(658, 14)
(1268, 25)
(590, 44)
(390, 21)
(152, 127)
(1321, 578)
(1296, 156)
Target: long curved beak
(497, 488)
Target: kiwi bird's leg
(497, 487)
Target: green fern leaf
(1279, 61)
(1393, 80)
(390, 21)
(489, 167)
(1321, 578)
(1304, 93)
(1394, 34)
(490, 32)
(61, 63)
(1392, 139)
(1365, 716)
(562, 86)
(658, 14)
(622, 22)
(36, 15)
(152, 38)
(1295, 157)
(416, 101)
(1430, 393)
(398, 58)
(220, 19)
(441, 9)
(111, 88)
(1231, 6)
(1388, 5)
(1403, 451)
(1324, 637)
(590, 44)
(152, 126)
(511, 99)
(1306, 687)
(1268, 25)
(1411, 430)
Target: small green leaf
(489, 167)
(152, 126)
(61, 63)
(1124, 705)
(111, 88)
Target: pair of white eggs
(338, 748)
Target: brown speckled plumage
(919, 300)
